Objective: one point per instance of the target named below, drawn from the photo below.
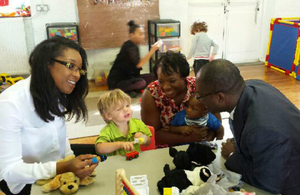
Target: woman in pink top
(168, 95)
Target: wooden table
(149, 163)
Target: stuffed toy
(195, 155)
(181, 159)
(201, 154)
(67, 183)
(210, 187)
(182, 179)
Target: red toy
(132, 155)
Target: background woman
(125, 72)
(32, 117)
(168, 95)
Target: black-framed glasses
(201, 97)
(71, 66)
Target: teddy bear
(67, 183)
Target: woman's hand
(228, 148)
(199, 133)
(156, 45)
(81, 165)
(186, 130)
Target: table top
(149, 163)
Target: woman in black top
(125, 73)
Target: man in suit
(265, 125)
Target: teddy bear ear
(52, 185)
(172, 151)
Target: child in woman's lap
(196, 115)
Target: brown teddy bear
(67, 183)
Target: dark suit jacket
(267, 131)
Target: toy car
(132, 155)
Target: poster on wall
(12, 8)
(103, 23)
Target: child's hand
(138, 134)
(212, 57)
(127, 146)
(140, 138)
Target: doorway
(234, 24)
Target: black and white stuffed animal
(182, 179)
(195, 155)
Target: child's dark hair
(47, 98)
(198, 27)
(132, 26)
(172, 62)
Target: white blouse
(29, 147)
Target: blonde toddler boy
(117, 137)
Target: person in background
(32, 117)
(125, 72)
(196, 114)
(168, 95)
(117, 137)
(201, 46)
(265, 126)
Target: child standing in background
(201, 46)
(118, 135)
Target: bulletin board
(103, 23)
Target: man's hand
(228, 148)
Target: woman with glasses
(32, 117)
(168, 95)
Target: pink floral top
(166, 105)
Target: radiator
(13, 47)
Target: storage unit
(284, 46)
(169, 32)
(68, 30)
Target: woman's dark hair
(47, 98)
(132, 26)
(172, 62)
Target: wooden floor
(286, 84)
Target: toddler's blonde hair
(198, 26)
(110, 100)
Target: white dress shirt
(29, 147)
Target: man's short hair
(221, 76)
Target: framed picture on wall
(68, 30)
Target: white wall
(66, 11)
(59, 11)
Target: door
(234, 24)
(242, 30)
(212, 12)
